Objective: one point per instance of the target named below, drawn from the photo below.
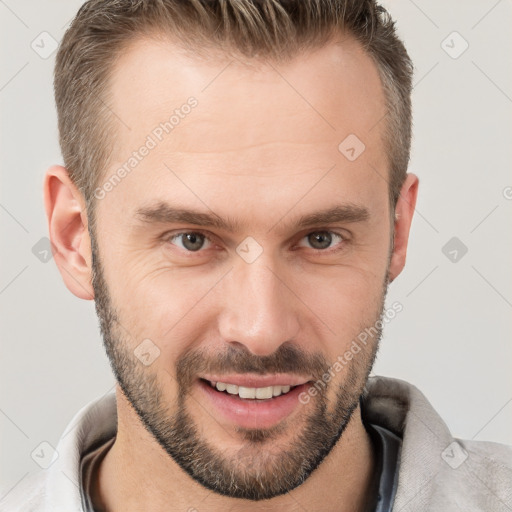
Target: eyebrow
(165, 213)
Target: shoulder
(472, 475)
(26, 496)
(58, 487)
(437, 470)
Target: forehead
(332, 89)
(264, 125)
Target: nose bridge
(258, 309)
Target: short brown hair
(271, 29)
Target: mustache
(287, 359)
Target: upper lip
(258, 381)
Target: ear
(403, 217)
(67, 223)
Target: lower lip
(253, 413)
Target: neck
(136, 474)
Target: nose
(259, 310)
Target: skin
(255, 151)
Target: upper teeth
(244, 392)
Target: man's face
(262, 300)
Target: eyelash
(169, 237)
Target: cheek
(346, 301)
(342, 290)
(168, 306)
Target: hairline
(202, 51)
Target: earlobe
(67, 225)
(404, 212)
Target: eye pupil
(323, 238)
(192, 241)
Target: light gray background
(452, 340)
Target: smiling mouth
(249, 393)
(267, 402)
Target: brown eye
(191, 241)
(322, 240)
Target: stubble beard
(252, 473)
